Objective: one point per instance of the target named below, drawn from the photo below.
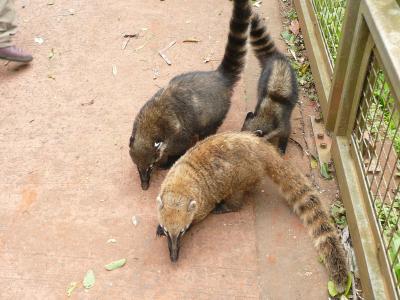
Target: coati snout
(176, 221)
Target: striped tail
(234, 58)
(306, 204)
(260, 39)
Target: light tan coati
(191, 107)
(213, 177)
(277, 89)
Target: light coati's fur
(192, 106)
(277, 89)
(213, 177)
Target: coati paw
(160, 231)
(221, 208)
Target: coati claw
(160, 232)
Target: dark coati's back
(192, 106)
(277, 88)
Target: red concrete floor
(68, 184)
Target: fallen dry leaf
(295, 27)
(71, 288)
(39, 40)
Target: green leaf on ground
(72, 286)
(89, 280)
(288, 37)
(115, 264)
(313, 163)
(348, 285)
(325, 171)
(331, 289)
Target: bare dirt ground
(68, 184)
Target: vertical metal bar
(342, 62)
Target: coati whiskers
(277, 89)
(192, 106)
(213, 177)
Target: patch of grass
(388, 216)
(338, 214)
(383, 115)
(330, 15)
(296, 48)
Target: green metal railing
(330, 16)
(355, 60)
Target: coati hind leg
(232, 204)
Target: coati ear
(160, 204)
(192, 206)
(158, 145)
(249, 115)
(259, 133)
(131, 141)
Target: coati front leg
(284, 138)
(283, 133)
(233, 204)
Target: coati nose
(145, 185)
(174, 255)
(144, 179)
(173, 246)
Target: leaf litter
(72, 286)
(89, 279)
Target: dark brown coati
(213, 177)
(191, 107)
(277, 89)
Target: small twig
(164, 56)
(298, 144)
(307, 148)
(191, 40)
(128, 37)
(131, 35)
